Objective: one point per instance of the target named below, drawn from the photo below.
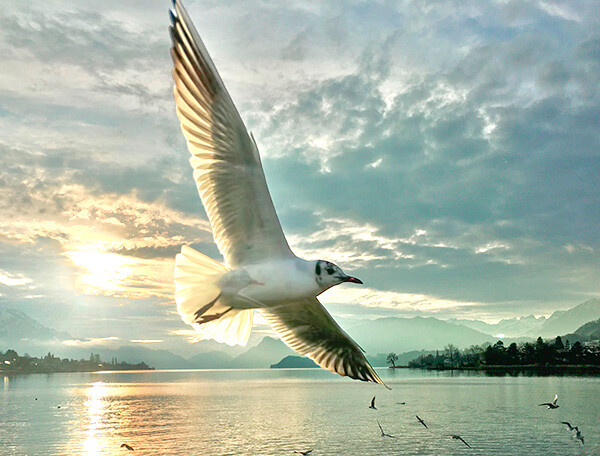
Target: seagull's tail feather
(201, 304)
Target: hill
(585, 333)
(210, 360)
(294, 362)
(267, 352)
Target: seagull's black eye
(330, 270)
(318, 269)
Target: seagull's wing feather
(463, 441)
(227, 167)
(555, 399)
(306, 327)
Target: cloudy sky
(445, 152)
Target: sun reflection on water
(95, 409)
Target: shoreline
(69, 371)
(548, 369)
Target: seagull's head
(328, 274)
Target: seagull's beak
(352, 279)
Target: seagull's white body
(260, 271)
(283, 280)
(553, 404)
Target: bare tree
(391, 359)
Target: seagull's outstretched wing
(463, 441)
(227, 167)
(306, 327)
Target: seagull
(553, 404)
(259, 272)
(129, 447)
(372, 406)
(577, 433)
(458, 437)
(383, 434)
(421, 421)
(569, 427)
(304, 453)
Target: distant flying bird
(304, 453)
(401, 403)
(569, 427)
(458, 437)
(260, 270)
(553, 404)
(124, 445)
(383, 434)
(576, 432)
(421, 421)
(372, 406)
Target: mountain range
(377, 337)
(15, 325)
(385, 335)
(560, 322)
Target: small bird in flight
(458, 437)
(129, 447)
(553, 404)
(372, 406)
(569, 427)
(421, 421)
(260, 272)
(304, 453)
(383, 434)
(578, 435)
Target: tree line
(12, 362)
(538, 353)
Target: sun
(102, 272)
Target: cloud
(12, 280)
(90, 342)
(447, 154)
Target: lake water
(274, 412)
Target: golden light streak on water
(95, 409)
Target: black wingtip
(173, 16)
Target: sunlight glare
(95, 411)
(105, 271)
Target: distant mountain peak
(567, 321)
(16, 326)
